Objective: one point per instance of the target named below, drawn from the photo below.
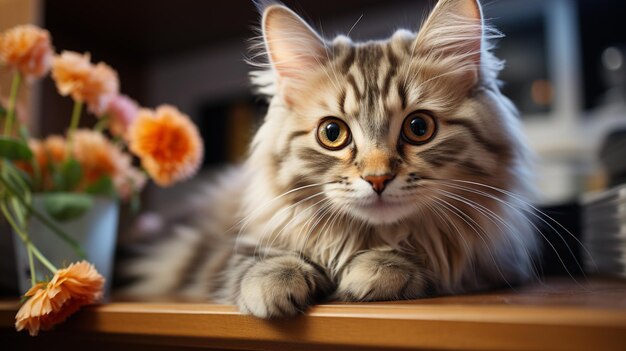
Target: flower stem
(58, 231)
(76, 112)
(41, 257)
(15, 86)
(102, 124)
(31, 263)
(30, 247)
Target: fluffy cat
(384, 170)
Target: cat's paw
(380, 275)
(281, 286)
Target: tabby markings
(355, 87)
(443, 153)
(487, 144)
(391, 72)
(316, 162)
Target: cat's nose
(379, 182)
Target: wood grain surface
(554, 315)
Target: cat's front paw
(380, 275)
(281, 286)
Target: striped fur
(309, 227)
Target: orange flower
(92, 84)
(54, 147)
(28, 49)
(51, 303)
(37, 148)
(47, 152)
(96, 155)
(168, 144)
(99, 157)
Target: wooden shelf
(555, 315)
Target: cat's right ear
(293, 47)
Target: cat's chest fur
(331, 239)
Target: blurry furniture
(604, 231)
(612, 156)
(561, 314)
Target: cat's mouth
(381, 211)
(380, 203)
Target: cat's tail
(175, 258)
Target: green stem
(42, 258)
(30, 247)
(58, 231)
(15, 86)
(76, 112)
(31, 263)
(102, 124)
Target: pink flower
(130, 181)
(122, 111)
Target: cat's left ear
(292, 45)
(454, 31)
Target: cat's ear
(292, 45)
(454, 31)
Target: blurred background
(565, 71)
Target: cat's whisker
(450, 223)
(297, 215)
(485, 211)
(285, 209)
(268, 202)
(294, 217)
(328, 208)
(313, 227)
(325, 69)
(526, 210)
(488, 213)
(518, 209)
(493, 217)
(244, 222)
(324, 244)
(354, 25)
(339, 212)
(464, 217)
(315, 216)
(492, 187)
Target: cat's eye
(333, 133)
(418, 128)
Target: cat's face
(380, 131)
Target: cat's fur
(298, 223)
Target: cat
(383, 170)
